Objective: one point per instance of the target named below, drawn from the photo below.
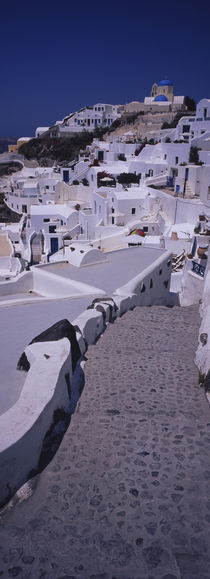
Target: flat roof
(122, 266)
(130, 193)
(52, 209)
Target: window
(176, 160)
(47, 186)
(208, 192)
(112, 220)
(52, 228)
(24, 208)
(186, 128)
(46, 220)
(146, 229)
(133, 210)
(165, 156)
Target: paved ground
(127, 494)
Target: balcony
(198, 268)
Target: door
(37, 248)
(66, 176)
(197, 188)
(54, 244)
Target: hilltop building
(161, 99)
(88, 118)
(162, 95)
(21, 141)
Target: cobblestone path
(127, 494)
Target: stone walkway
(127, 494)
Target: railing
(198, 268)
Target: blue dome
(165, 83)
(160, 98)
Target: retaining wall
(23, 284)
(46, 284)
(202, 358)
(49, 379)
(44, 391)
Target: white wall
(45, 390)
(149, 286)
(203, 351)
(23, 284)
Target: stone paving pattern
(127, 494)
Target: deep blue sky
(58, 57)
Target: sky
(59, 57)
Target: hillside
(47, 150)
(9, 168)
(143, 125)
(63, 150)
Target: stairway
(127, 493)
(188, 190)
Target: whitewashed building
(194, 181)
(53, 222)
(191, 127)
(88, 118)
(25, 190)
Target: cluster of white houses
(88, 118)
(114, 188)
(102, 115)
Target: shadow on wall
(61, 417)
(61, 421)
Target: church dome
(160, 98)
(165, 83)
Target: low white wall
(23, 284)
(203, 352)
(51, 285)
(192, 286)
(12, 264)
(152, 285)
(91, 325)
(46, 387)
(110, 242)
(45, 390)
